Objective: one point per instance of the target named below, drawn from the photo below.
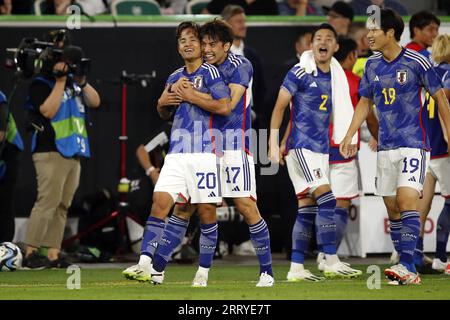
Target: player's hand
(183, 82)
(282, 153)
(274, 154)
(169, 98)
(373, 144)
(347, 149)
(185, 93)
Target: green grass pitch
(225, 282)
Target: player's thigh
(386, 178)
(172, 178)
(428, 194)
(344, 180)
(307, 170)
(412, 166)
(237, 178)
(203, 178)
(440, 168)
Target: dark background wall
(141, 50)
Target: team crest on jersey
(402, 76)
(317, 173)
(198, 82)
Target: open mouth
(209, 56)
(371, 42)
(323, 51)
(188, 50)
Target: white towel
(342, 112)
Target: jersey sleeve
(430, 79)
(446, 80)
(216, 85)
(242, 74)
(365, 88)
(294, 80)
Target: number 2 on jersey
(322, 105)
(389, 95)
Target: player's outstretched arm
(284, 97)
(236, 93)
(372, 123)
(444, 112)
(346, 149)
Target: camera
(33, 57)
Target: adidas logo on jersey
(376, 79)
(412, 179)
(236, 189)
(313, 85)
(212, 194)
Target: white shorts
(440, 169)
(190, 177)
(344, 180)
(402, 167)
(307, 170)
(237, 175)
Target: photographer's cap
(72, 54)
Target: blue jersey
(311, 109)
(396, 88)
(237, 70)
(191, 130)
(434, 128)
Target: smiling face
(214, 51)
(324, 45)
(189, 45)
(378, 39)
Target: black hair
(422, 19)
(390, 19)
(217, 30)
(346, 46)
(303, 32)
(187, 25)
(327, 27)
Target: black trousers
(11, 156)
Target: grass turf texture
(225, 282)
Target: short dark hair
(346, 46)
(187, 25)
(303, 32)
(422, 19)
(327, 27)
(217, 30)
(231, 10)
(390, 19)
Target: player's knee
(182, 212)
(248, 209)
(161, 205)
(207, 214)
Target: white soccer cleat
(200, 279)
(395, 257)
(341, 270)
(402, 275)
(439, 265)
(157, 277)
(137, 272)
(303, 275)
(265, 280)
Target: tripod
(123, 209)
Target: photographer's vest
(69, 125)
(12, 135)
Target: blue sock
(208, 242)
(442, 231)
(302, 232)
(410, 233)
(152, 234)
(396, 235)
(341, 217)
(259, 234)
(325, 224)
(173, 235)
(418, 252)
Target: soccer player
(394, 79)
(423, 29)
(307, 158)
(237, 167)
(440, 162)
(190, 172)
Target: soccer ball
(10, 257)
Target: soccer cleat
(321, 261)
(401, 274)
(438, 265)
(341, 270)
(303, 275)
(427, 268)
(265, 280)
(35, 261)
(137, 272)
(200, 279)
(157, 277)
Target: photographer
(57, 100)
(11, 146)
